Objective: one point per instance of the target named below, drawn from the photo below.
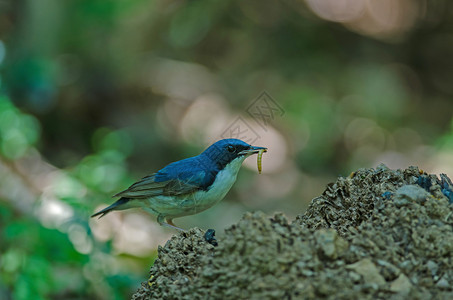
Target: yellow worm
(260, 155)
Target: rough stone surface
(377, 234)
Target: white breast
(222, 184)
(220, 187)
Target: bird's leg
(169, 223)
(172, 225)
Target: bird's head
(226, 151)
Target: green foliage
(18, 131)
(96, 93)
(34, 258)
(41, 263)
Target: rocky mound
(377, 234)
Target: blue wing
(178, 178)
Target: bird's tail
(118, 205)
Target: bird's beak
(252, 150)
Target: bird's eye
(231, 148)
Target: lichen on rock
(376, 234)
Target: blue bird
(188, 186)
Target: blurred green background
(95, 94)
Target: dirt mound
(377, 234)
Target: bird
(189, 186)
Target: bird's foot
(173, 226)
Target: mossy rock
(377, 234)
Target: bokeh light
(377, 18)
(95, 95)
